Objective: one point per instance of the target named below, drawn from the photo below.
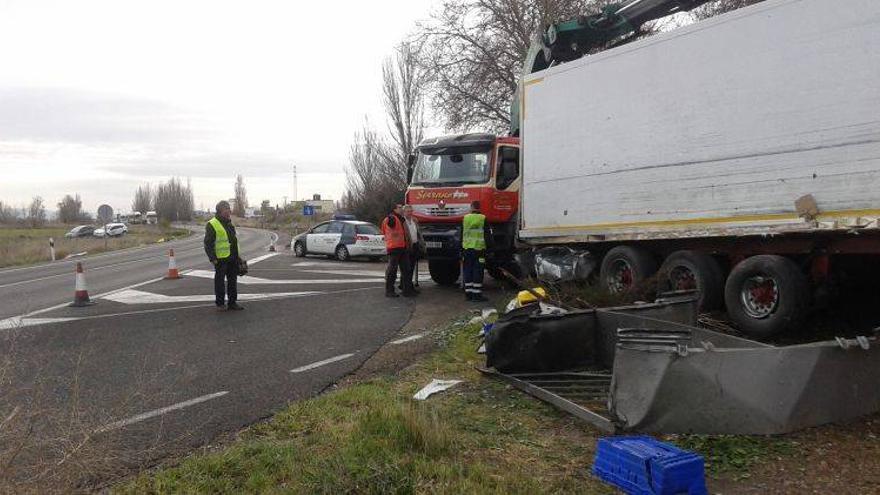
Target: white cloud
(98, 96)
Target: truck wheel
(766, 295)
(625, 267)
(299, 250)
(693, 270)
(444, 272)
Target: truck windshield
(451, 168)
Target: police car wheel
(342, 253)
(299, 250)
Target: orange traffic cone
(173, 274)
(81, 293)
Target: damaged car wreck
(650, 368)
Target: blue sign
(308, 210)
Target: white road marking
(18, 322)
(118, 252)
(325, 264)
(267, 281)
(143, 297)
(407, 339)
(158, 412)
(321, 363)
(60, 275)
(65, 304)
(357, 273)
(261, 258)
(45, 321)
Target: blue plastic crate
(641, 465)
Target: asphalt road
(152, 367)
(33, 288)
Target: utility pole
(294, 184)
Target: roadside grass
(736, 455)
(478, 437)
(23, 246)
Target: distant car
(113, 230)
(342, 239)
(80, 231)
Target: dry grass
(23, 246)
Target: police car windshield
(445, 167)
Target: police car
(342, 239)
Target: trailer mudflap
(669, 376)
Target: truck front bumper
(442, 241)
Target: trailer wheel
(625, 267)
(766, 295)
(693, 270)
(444, 272)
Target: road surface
(152, 367)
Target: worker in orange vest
(397, 242)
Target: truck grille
(449, 211)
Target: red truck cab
(446, 175)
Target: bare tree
(403, 86)
(473, 51)
(70, 209)
(240, 197)
(143, 199)
(372, 185)
(174, 200)
(7, 213)
(376, 175)
(719, 7)
(36, 212)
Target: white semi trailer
(739, 156)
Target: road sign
(308, 210)
(105, 214)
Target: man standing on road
(416, 246)
(221, 246)
(475, 236)
(397, 242)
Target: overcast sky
(98, 96)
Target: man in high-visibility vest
(475, 238)
(221, 246)
(397, 244)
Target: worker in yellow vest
(475, 238)
(221, 246)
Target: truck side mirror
(508, 170)
(410, 167)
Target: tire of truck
(625, 267)
(766, 295)
(444, 272)
(693, 270)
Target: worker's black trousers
(398, 258)
(226, 269)
(472, 272)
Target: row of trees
(464, 63)
(172, 200)
(34, 214)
